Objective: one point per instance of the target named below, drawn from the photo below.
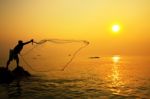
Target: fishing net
(51, 54)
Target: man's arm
(28, 42)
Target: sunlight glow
(115, 28)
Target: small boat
(94, 57)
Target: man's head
(20, 42)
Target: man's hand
(31, 40)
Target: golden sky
(79, 19)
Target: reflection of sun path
(116, 59)
(116, 82)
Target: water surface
(114, 77)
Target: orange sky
(79, 19)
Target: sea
(106, 77)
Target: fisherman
(13, 54)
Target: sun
(116, 28)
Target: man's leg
(17, 60)
(10, 58)
(8, 62)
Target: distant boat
(94, 57)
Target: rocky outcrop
(7, 76)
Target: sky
(89, 20)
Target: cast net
(51, 54)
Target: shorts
(12, 55)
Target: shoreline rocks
(7, 76)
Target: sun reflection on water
(115, 77)
(116, 58)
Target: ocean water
(113, 77)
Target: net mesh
(52, 54)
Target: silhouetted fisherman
(13, 54)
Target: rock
(20, 72)
(7, 76)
